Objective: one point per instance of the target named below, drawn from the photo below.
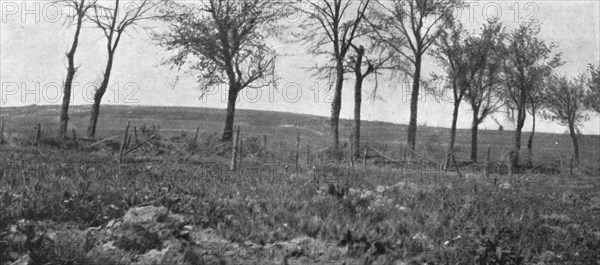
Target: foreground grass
(438, 218)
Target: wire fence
(308, 148)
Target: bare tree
(593, 98)
(359, 77)
(410, 28)
(357, 64)
(333, 23)
(223, 40)
(461, 56)
(114, 19)
(528, 60)
(81, 7)
(450, 53)
(564, 103)
(482, 90)
(534, 104)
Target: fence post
(308, 155)
(281, 149)
(265, 141)
(38, 135)
(297, 150)
(421, 168)
(196, 136)
(351, 153)
(365, 156)
(487, 163)
(240, 152)
(562, 160)
(510, 165)
(135, 135)
(2, 131)
(445, 166)
(128, 141)
(123, 143)
(75, 139)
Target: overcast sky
(34, 42)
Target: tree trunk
(358, 99)
(575, 142)
(64, 110)
(414, 103)
(229, 120)
(453, 127)
(98, 97)
(453, 131)
(336, 106)
(474, 131)
(357, 106)
(530, 141)
(518, 133)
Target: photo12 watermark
(53, 92)
(293, 11)
(319, 92)
(128, 93)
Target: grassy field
(398, 212)
(282, 127)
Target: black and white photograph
(288, 132)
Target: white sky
(32, 66)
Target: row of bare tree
(495, 70)
(113, 18)
(486, 72)
(225, 41)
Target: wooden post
(241, 153)
(196, 136)
(510, 166)
(75, 139)
(297, 150)
(123, 143)
(365, 157)
(135, 135)
(421, 168)
(2, 131)
(560, 165)
(351, 151)
(128, 142)
(38, 135)
(445, 165)
(281, 149)
(487, 163)
(265, 141)
(236, 136)
(238, 146)
(308, 155)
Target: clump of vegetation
(149, 130)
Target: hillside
(280, 126)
